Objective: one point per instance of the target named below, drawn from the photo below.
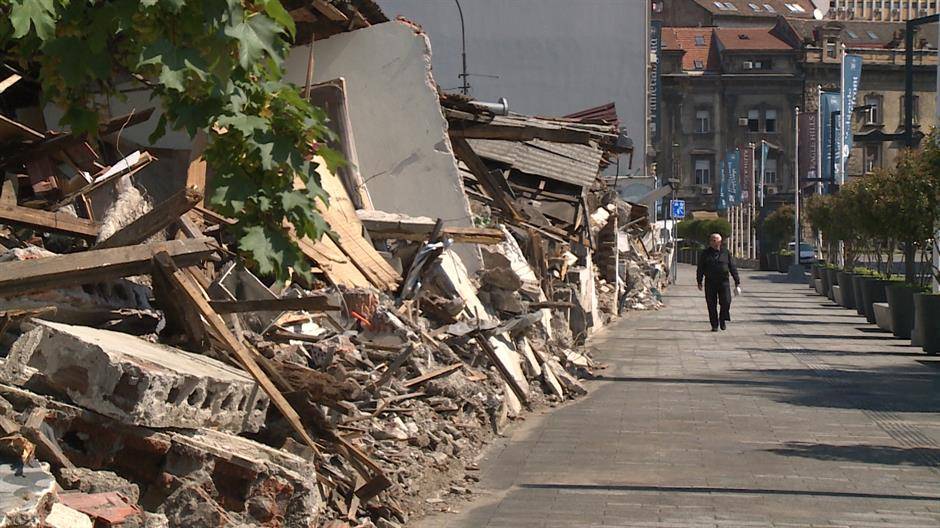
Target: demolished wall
(404, 151)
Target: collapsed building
(149, 378)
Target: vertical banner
(829, 103)
(747, 175)
(734, 178)
(851, 75)
(808, 145)
(764, 149)
(721, 199)
(655, 48)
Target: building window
(703, 123)
(753, 120)
(872, 156)
(873, 102)
(698, 65)
(770, 120)
(700, 40)
(831, 49)
(703, 169)
(915, 113)
(770, 171)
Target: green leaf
(38, 13)
(159, 131)
(81, 120)
(256, 36)
(256, 244)
(276, 11)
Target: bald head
(715, 240)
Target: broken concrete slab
(133, 380)
(400, 131)
(27, 493)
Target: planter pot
(873, 290)
(832, 275)
(826, 281)
(847, 289)
(770, 263)
(857, 282)
(783, 263)
(927, 311)
(901, 301)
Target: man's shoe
(714, 329)
(723, 327)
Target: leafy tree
(778, 226)
(818, 211)
(212, 65)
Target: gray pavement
(801, 414)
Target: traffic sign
(678, 209)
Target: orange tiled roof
(749, 39)
(698, 45)
(761, 8)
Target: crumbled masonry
(167, 383)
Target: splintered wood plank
(347, 232)
(10, 130)
(97, 265)
(332, 261)
(464, 152)
(310, 303)
(154, 221)
(329, 11)
(186, 285)
(48, 221)
(196, 173)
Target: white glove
(737, 291)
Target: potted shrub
(858, 279)
(784, 259)
(873, 291)
(927, 312)
(832, 275)
(826, 280)
(847, 289)
(901, 301)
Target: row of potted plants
(912, 308)
(780, 260)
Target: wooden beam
(517, 133)
(196, 172)
(186, 286)
(155, 220)
(54, 222)
(481, 172)
(97, 265)
(9, 81)
(329, 11)
(434, 374)
(310, 303)
(507, 376)
(382, 225)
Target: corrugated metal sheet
(566, 162)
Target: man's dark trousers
(718, 292)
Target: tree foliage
(700, 229)
(778, 226)
(213, 66)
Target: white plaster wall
(405, 156)
(552, 57)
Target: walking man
(714, 266)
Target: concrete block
(27, 494)
(883, 316)
(135, 381)
(836, 295)
(818, 286)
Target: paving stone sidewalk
(801, 414)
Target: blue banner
(829, 103)
(764, 150)
(851, 75)
(721, 200)
(734, 177)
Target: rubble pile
(150, 378)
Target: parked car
(807, 252)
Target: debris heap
(150, 378)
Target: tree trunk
(909, 262)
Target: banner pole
(796, 190)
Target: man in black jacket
(714, 265)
